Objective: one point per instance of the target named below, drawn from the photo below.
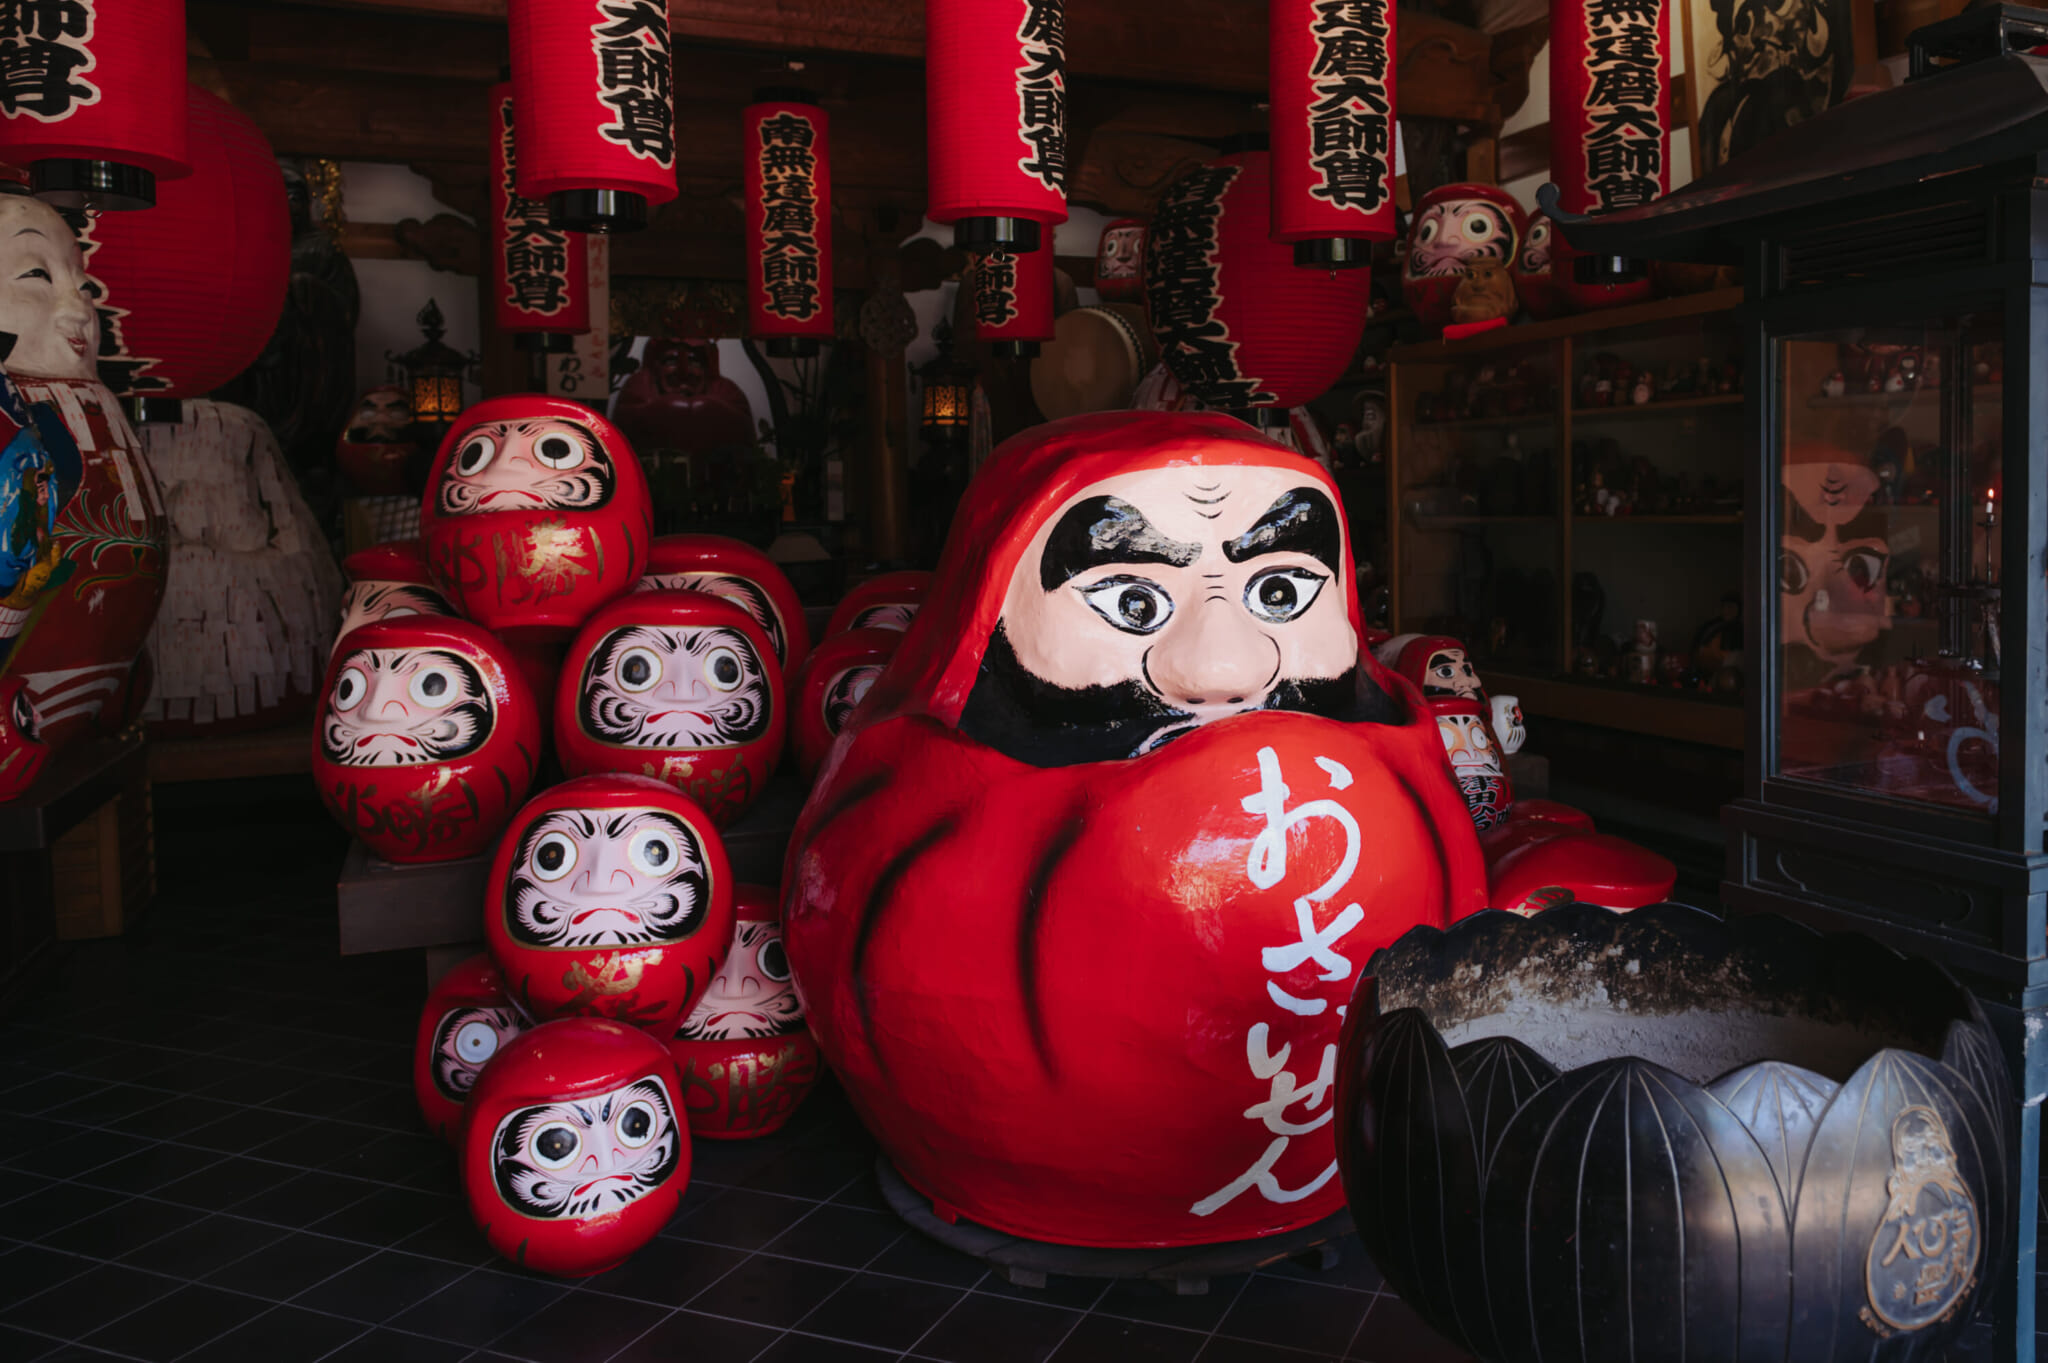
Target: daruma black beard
(1023, 716)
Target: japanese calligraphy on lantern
(45, 53)
(1265, 867)
(635, 77)
(995, 291)
(535, 277)
(1181, 286)
(786, 149)
(1623, 128)
(123, 371)
(1351, 120)
(1042, 93)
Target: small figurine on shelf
(1679, 382)
(1729, 380)
(1834, 385)
(1485, 294)
(1672, 668)
(1370, 441)
(1585, 662)
(1721, 637)
(1907, 366)
(1603, 392)
(1644, 391)
(1639, 664)
(1894, 380)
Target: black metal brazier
(1662, 1136)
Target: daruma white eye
(636, 1125)
(1478, 227)
(653, 852)
(434, 687)
(774, 960)
(558, 451)
(554, 1145)
(637, 670)
(554, 856)
(1134, 605)
(475, 455)
(1280, 594)
(396, 611)
(350, 688)
(723, 669)
(476, 1042)
(1426, 233)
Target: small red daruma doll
(1120, 262)
(467, 1019)
(609, 897)
(735, 571)
(679, 686)
(573, 1155)
(841, 671)
(388, 581)
(885, 602)
(22, 751)
(427, 737)
(536, 513)
(1454, 226)
(743, 1056)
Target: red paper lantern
(1237, 324)
(1610, 124)
(787, 158)
(1013, 299)
(595, 81)
(540, 274)
(191, 291)
(94, 98)
(996, 119)
(1332, 121)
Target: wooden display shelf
(1618, 412)
(1475, 423)
(75, 783)
(1455, 522)
(1531, 333)
(1657, 711)
(1689, 518)
(283, 751)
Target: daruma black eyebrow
(1301, 521)
(1103, 530)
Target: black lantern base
(1265, 418)
(1604, 269)
(102, 186)
(1014, 350)
(1015, 235)
(143, 410)
(1333, 253)
(791, 347)
(598, 210)
(545, 342)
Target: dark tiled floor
(225, 1164)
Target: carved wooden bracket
(444, 241)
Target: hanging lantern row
(788, 170)
(92, 98)
(1610, 129)
(594, 81)
(540, 273)
(1332, 127)
(996, 120)
(1013, 299)
(190, 291)
(1237, 324)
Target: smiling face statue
(573, 1156)
(1130, 723)
(46, 302)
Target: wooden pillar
(888, 463)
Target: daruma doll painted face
(743, 1055)
(574, 1154)
(536, 513)
(841, 672)
(388, 581)
(679, 686)
(1455, 226)
(609, 897)
(885, 602)
(427, 737)
(734, 571)
(1132, 724)
(467, 1019)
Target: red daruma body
(536, 513)
(1087, 877)
(427, 737)
(574, 1154)
(468, 1018)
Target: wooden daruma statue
(609, 897)
(426, 739)
(1077, 899)
(536, 513)
(679, 686)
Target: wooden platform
(282, 751)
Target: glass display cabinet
(1896, 329)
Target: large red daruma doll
(609, 897)
(679, 686)
(740, 573)
(743, 1056)
(426, 739)
(1086, 879)
(574, 1154)
(1456, 226)
(841, 673)
(536, 513)
(467, 1019)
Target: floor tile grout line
(1209, 1336)
(945, 1314)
